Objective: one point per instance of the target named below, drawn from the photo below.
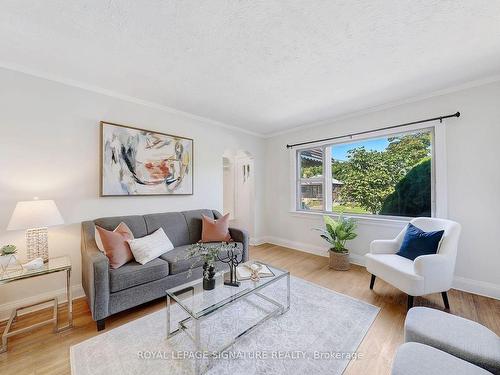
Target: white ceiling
(263, 66)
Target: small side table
(59, 264)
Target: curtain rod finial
(288, 146)
(457, 114)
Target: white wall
(473, 166)
(49, 148)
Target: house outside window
(386, 175)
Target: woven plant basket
(339, 261)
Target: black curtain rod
(440, 118)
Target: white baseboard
(256, 241)
(357, 259)
(482, 288)
(6, 308)
(301, 246)
(461, 283)
(312, 249)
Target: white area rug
(318, 335)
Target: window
(389, 175)
(310, 182)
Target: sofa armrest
(437, 271)
(95, 273)
(240, 235)
(384, 247)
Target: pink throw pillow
(115, 244)
(215, 230)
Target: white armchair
(427, 273)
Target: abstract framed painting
(136, 161)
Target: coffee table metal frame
(197, 318)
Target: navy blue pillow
(417, 242)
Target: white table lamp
(35, 217)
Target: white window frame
(299, 180)
(438, 175)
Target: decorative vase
(8, 260)
(208, 277)
(339, 261)
(9, 263)
(5, 260)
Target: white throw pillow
(150, 247)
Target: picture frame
(140, 162)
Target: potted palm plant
(337, 232)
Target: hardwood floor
(42, 352)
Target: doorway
(239, 189)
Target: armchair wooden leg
(372, 281)
(445, 300)
(101, 324)
(410, 302)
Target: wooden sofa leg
(101, 324)
(445, 300)
(410, 302)
(372, 281)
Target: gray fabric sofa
(110, 291)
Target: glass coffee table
(200, 304)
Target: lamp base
(37, 243)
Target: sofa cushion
(174, 225)
(136, 224)
(133, 274)
(215, 230)
(178, 263)
(396, 270)
(417, 359)
(114, 244)
(460, 337)
(194, 222)
(150, 247)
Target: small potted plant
(209, 254)
(337, 232)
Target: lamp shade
(35, 214)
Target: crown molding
(381, 107)
(127, 98)
(161, 107)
